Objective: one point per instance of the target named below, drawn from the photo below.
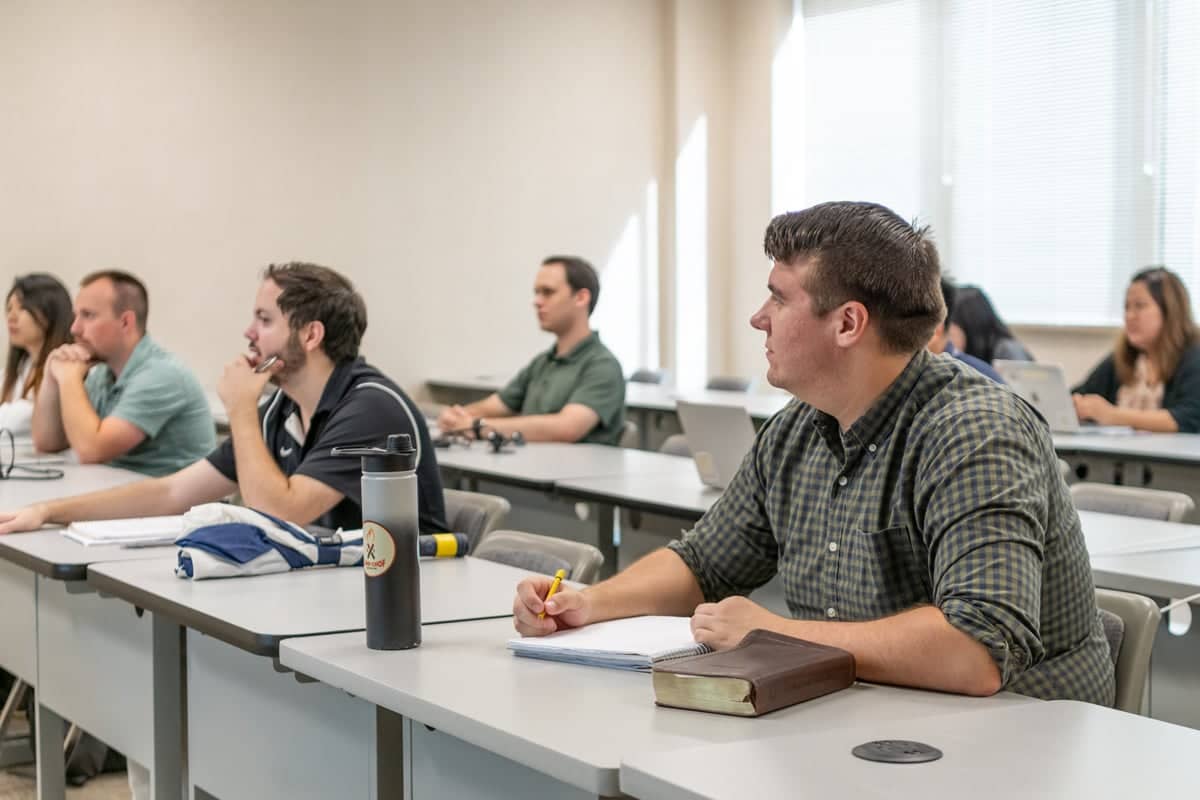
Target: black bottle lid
(398, 455)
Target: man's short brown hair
(865, 252)
(312, 293)
(130, 294)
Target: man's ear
(852, 322)
(312, 336)
(583, 298)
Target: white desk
(513, 727)
(1036, 750)
(253, 731)
(528, 476)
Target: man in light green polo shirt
(115, 396)
(573, 392)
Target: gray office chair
(1064, 469)
(629, 435)
(645, 375)
(1132, 501)
(729, 383)
(1130, 624)
(544, 554)
(676, 445)
(474, 514)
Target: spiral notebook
(636, 643)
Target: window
(1054, 145)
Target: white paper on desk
(635, 643)
(136, 532)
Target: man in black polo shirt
(575, 391)
(310, 320)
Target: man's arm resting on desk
(94, 440)
(263, 485)
(918, 647)
(461, 418)
(154, 497)
(659, 583)
(569, 425)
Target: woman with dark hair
(38, 313)
(977, 330)
(1151, 380)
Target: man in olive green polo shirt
(114, 396)
(573, 392)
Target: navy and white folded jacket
(225, 541)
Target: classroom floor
(17, 783)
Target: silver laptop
(1044, 386)
(719, 437)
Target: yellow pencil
(558, 579)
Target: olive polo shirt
(589, 375)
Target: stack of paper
(138, 532)
(636, 643)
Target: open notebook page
(633, 643)
(140, 530)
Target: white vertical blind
(1063, 137)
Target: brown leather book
(765, 671)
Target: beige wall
(435, 152)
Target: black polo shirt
(359, 405)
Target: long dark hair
(1178, 328)
(973, 312)
(49, 304)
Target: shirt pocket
(883, 573)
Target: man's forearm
(490, 406)
(80, 421)
(536, 428)
(47, 429)
(659, 583)
(148, 498)
(260, 481)
(918, 647)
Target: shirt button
(831, 612)
(842, 481)
(871, 448)
(833, 547)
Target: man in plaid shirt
(912, 508)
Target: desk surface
(53, 555)
(1034, 750)
(1182, 448)
(463, 681)
(678, 492)
(540, 465)
(656, 397)
(1169, 573)
(255, 613)
(77, 479)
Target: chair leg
(16, 696)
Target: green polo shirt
(160, 396)
(589, 375)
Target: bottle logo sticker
(379, 551)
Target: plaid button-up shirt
(946, 493)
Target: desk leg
(168, 779)
(605, 531)
(51, 760)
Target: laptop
(719, 437)
(1044, 386)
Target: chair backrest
(676, 445)
(544, 554)
(474, 514)
(645, 375)
(729, 383)
(1130, 624)
(1131, 501)
(1064, 469)
(629, 435)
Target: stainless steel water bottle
(390, 542)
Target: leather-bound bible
(764, 672)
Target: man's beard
(294, 358)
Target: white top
(1034, 750)
(17, 414)
(463, 681)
